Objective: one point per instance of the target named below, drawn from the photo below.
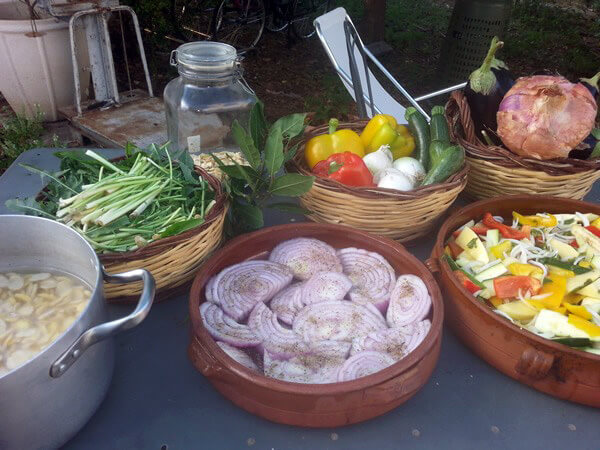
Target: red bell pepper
(509, 286)
(506, 231)
(347, 168)
(467, 284)
(594, 230)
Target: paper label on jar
(194, 144)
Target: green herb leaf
(596, 133)
(291, 126)
(472, 243)
(291, 185)
(257, 124)
(596, 152)
(246, 144)
(180, 227)
(290, 208)
(290, 153)
(248, 217)
(334, 167)
(46, 174)
(274, 150)
(569, 221)
(27, 206)
(547, 280)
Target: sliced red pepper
(480, 229)
(454, 248)
(574, 244)
(594, 230)
(464, 280)
(509, 286)
(506, 231)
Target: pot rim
(438, 252)
(304, 229)
(96, 289)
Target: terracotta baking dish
(326, 405)
(544, 365)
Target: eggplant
(592, 85)
(590, 147)
(486, 89)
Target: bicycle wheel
(193, 18)
(304, 12)
(239, 23)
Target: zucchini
(451, 161)
(454, 266)
(577, 270)
(564, 250)
(580, 281)
(419, 128)
(573, 342)
(492, 238)
(439, 125)
(495, 271)
(436, 150)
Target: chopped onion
(391, 341)
(281, 342)
(372, 276)
(337, 320)
(416, 333)
(208, 290)
(224, 328)
(238, 355)
(287, 303)
(363, 364)
(409, 302)
(306, 256)
(240, 287)
(325, 286)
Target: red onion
(363, 364)
(545, 117)
(208, 294)
(241, 286)
(224, 328)
(238, 355)
(372, 276)
(409, 302)
(337, 320)
(306, 256)
(415, 333)
(391, 341)
(281, 342)
(325, 286)
(287, 303)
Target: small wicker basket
(496, 171)
(404, 216)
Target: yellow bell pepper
(560, 272)
(383, 129)
(321, 147)
(586, 326)
(579, 311)
(499, 250)
(536, 221)
(524, 269)
(557, 289)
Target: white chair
(348, 55)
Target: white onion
(224, 328)
(337, 320)
(287, 303)
(379, 160)
(394, 179)
(412, 168)
(409, 302)
(238, 355)
(325, 286)
(306, 256)
(363, 364)
(372, 276)
(241, 286)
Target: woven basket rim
(156, 247)
(298, 164)
(462, 130)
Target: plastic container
(547, 366)
(209, 94)
(311, 405)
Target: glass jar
(209, 94)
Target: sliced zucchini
(495, 271)
(492, 238)
(580, 281)
(565, 251)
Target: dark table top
(157, 400)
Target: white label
(194, 144)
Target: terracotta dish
(311, 405)
(547, 366)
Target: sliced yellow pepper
(536, 221)
(321, 147)
(596, 223)
(383, 129)
(496, 301)
(553, 270)
(584, 325)
(498, 250)
(579, 311)
(560, 310)
(524, 269)
(572, 299)
(537, 304)
(557, 289)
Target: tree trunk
(374, 20)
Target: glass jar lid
(208, 58)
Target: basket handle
(458, 102)
(534, 363)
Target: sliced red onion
(224, 328)
(392, 341)
(287, 303)
(363, 364)
(238, 355)
(208, 293)
(372, 276)
(415, 333)
(337, 320)
(320, 364)
(281, 342)
(409, 302)
(240, 287)
(306, 256)
(325, 286)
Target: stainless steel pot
(47, 400)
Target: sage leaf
(257, 124)
(291, 185)
(246, 144)
(274, 150)
(292, 125)
(290, 153)
(248, 217)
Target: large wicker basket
(495, 171)
(403, 216)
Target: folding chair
(349, 57)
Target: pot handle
(534, 363)
(109, 329)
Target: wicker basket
(495, 171)
(403, 216)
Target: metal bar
(349, 28)
(441, 91)
(356, 82)
(72, 20)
